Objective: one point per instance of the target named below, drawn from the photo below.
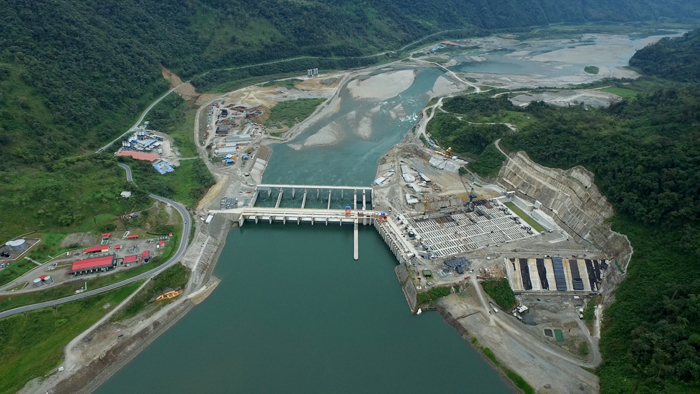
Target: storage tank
(38, 282)
(17, 245)
(47, 279)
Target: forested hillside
(73, 73)
(645, 154)
(677, 59)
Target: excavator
(447, 154)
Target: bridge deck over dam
(357, 197)
(356, 202)
(300, 215)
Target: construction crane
(472, 195)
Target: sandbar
(382, 86)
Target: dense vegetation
(677, 59)
(173, 278)
(428, 298)
(66, 193)
(489, 162)
(500, 291)
(288, 113)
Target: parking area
(555, 274)
(122, 254)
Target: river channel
(294, 313)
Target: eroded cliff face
(573, 200)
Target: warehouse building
(131, 259)
(94, 265)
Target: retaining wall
(571, 198)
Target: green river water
(294, 313)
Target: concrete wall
(571, 198)
(409, 290)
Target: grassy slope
(174, 277)
(289, 113)
(175, 117)
(14, 270)
(489, 162)
(527, 218)
(32, 343)
(64, 199)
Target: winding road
(143, 115)
(184, 241)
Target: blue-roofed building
(163, 167)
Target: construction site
(151, 146)
(543, 230)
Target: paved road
(126, 168)
(143, 115)
(327, 57)
(184, 241)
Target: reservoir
(294, 313)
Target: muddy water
(294, 313)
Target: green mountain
(70, 70)
(677, 59)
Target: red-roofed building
(135, 236)
(450, 43)
(161, 243)
(139, 155)
(97, 249)
(88, 266)
(117, 247)
(145, 256)
(106, 235)
(131, 259)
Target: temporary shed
(131, 259)
(96, 249)
(96, 264)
